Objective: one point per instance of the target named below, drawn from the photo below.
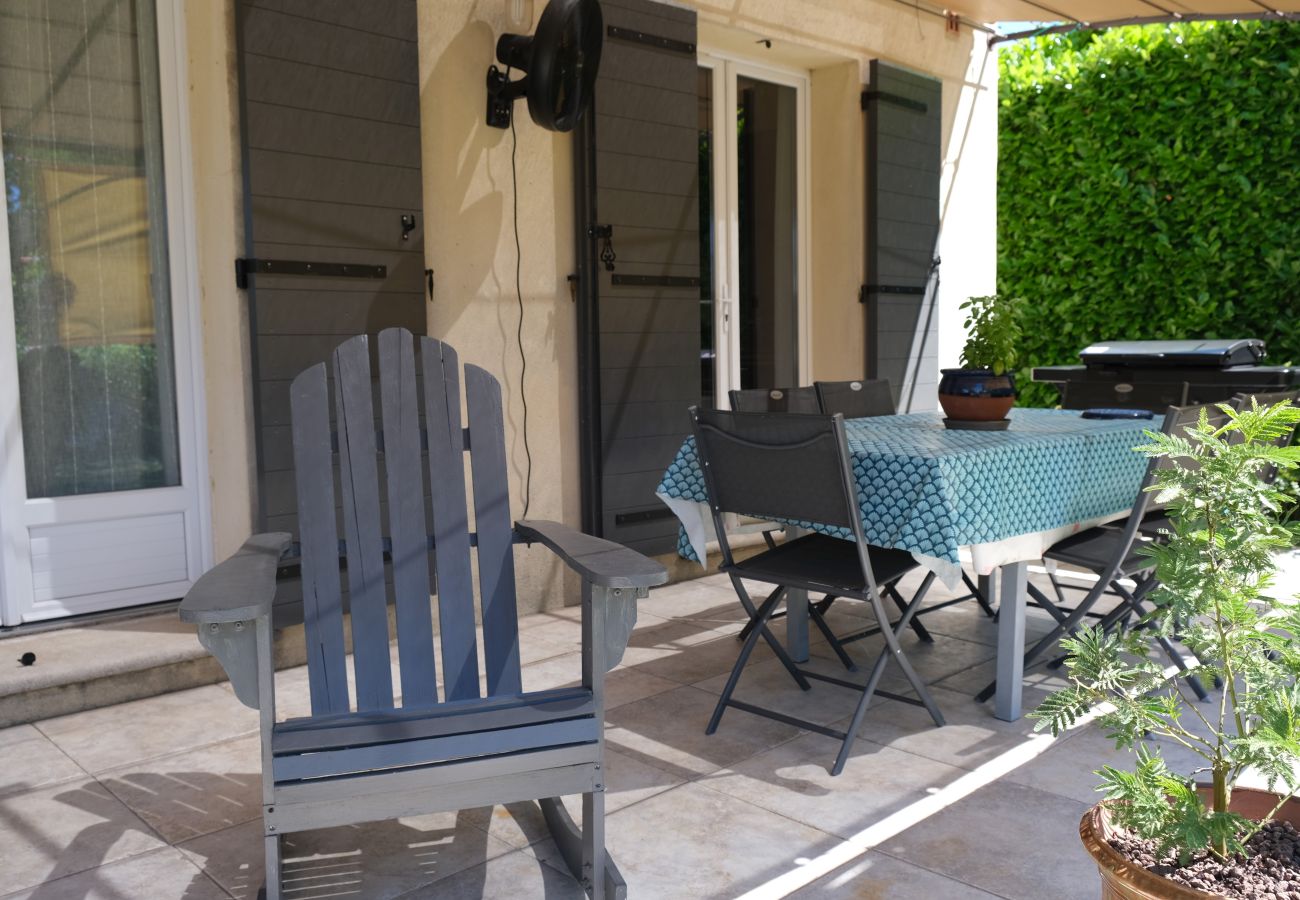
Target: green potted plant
(1158, 834)
(982, 390)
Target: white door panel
(102, 481)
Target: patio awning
(1105, 13)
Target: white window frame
(16, 587)
(725, 68)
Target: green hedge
(1149, 187)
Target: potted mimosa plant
(1161, 834)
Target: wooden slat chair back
(362, 536)
(375, 749)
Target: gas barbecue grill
(1157, 374)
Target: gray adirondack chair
(435, 752)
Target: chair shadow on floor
(388, 858)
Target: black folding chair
(865, 399)
(796, 468)
(856, 399)
(1110, 553)
(775, 400)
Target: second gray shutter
(646, 155)
(904, 164)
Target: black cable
(519, 334)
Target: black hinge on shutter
(894, 99)
(652, 40)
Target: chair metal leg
(1041, 600)
(982, 600)
(895, 651)
(921, 631)
(764, 613)
(777, 648)
(749, 608)
(892, 646)
(860, 712)
(273, 874)
(815, 613)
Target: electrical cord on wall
(519, 295)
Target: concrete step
(110, 661)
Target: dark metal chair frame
(749, 461)
(869, 398)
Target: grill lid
(1215, 354)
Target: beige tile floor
(159, 798)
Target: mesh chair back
(856, 399)
(775, 400)
(776, 466)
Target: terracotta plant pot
(976, 395)
(1124, 880)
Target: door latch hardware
(408, 225)
(605, 234)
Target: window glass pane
(767, 203)
(81, 134)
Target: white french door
(754, 194)
(102, 496)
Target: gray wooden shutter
(904, 161)
(329, 102)
(643, 144)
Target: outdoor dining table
(1005, 496)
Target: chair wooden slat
(322, 604)
(406, 520)
(450, 519)
(362, 528)
(445, 748)
(492, 522)
(459, 717)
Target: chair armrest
(242, 587)
(598, 561)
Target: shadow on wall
(458, 134)
(470, 206)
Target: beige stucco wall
(835, 39)
(469, 241)
(218, 199)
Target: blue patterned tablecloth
(932, 490)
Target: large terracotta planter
(1124, 880)
(976, 395)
